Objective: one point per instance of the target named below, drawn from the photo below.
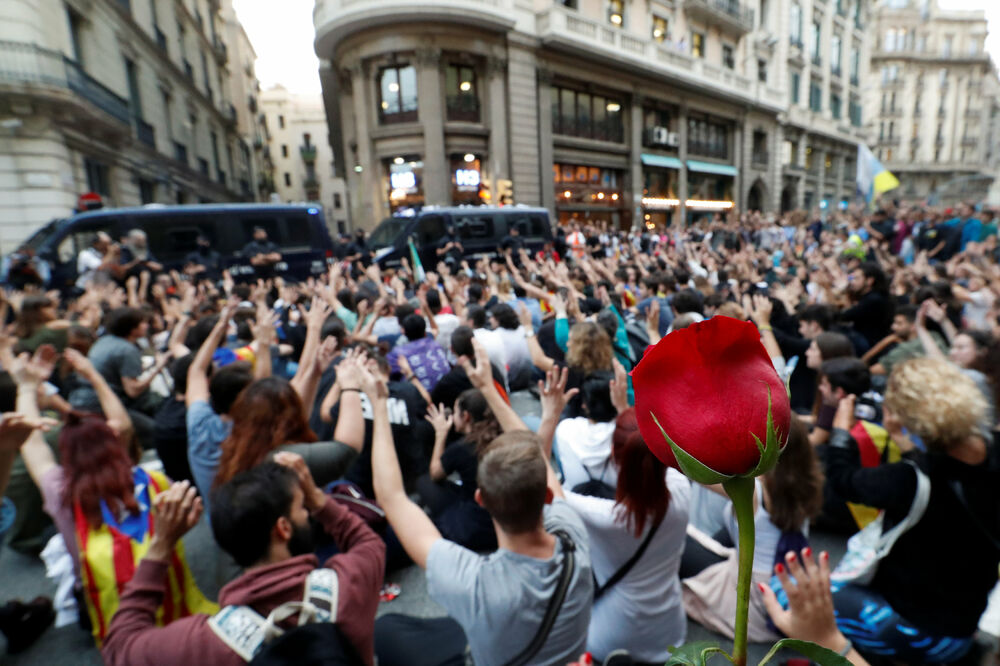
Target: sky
(282, 35)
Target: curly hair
(267, 414)
(589, 348)
(936, 400)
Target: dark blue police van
(480, 229)
(300, 232)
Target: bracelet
(847, 648)
(528, 332)
(410, 378)
(765, 327)
(348, 390)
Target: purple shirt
(426, 358)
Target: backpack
(595, 487)
(315, 640)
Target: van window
(270, 225)
(82, 236)
(430, 230)
(297, 233)
(474, 227)
(387, 231)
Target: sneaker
(23, 623)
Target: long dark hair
(267, 414)
(642, 494)
(483, 426)
(795, 485)
(30, 318)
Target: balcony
(973, 114)
(335, 20)
(203, 166)
(252, 103)
(161, 38)
(188, 70)
(759, 159)
(181, 153)
(889, 142)
(221, 176)
(30, 69)
(892, 84)
(726, 14)
(969, 142)
(308, 153)
(145, 133)
(220, 50)
(563, 29)
(230, 113)
(892, 113)
(463, 108)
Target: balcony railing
(145, 132)
(708, 149)
(161, 38)
(188, 70)
(606, 130)
(725, 13)
(972, 114)
(181, 153)
(30, 64)
(892, 113)
(463, 108)
(969, 141)
(231, 114)
(760, 158)
(308, 154)
(220, 50)
(221, 176)
(203, 166)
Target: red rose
(707, 385)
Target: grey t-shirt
(115, 358)
(500, 599)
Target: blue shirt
(206, 431)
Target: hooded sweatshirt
(585, 447)
(135, 640)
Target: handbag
(866, 548)
(623, 570)
(555, 602)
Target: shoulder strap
(920, 500)
(625, 568)
(555, 602)
(956, 487)
(241, 628)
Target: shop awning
(711, 167)
(661, 161)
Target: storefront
(661, 185)
(467, 180)
(590, 195)
(711, 189)
(404, 183)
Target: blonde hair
(936, 400)
(589, 347)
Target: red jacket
(134, 639)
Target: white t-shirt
(446, 323)
(493, 343)
(644, 610)
(87, 263)
(582, 446)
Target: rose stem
(740, 490)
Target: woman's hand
(554, 396)
(480, 375)
(619, 387)
(33, 370)
(440, 419)
(844, 418)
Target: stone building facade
(932, 92)
(127, 98)
(649, 111)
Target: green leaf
(691, 466)
(693, 654)
(769, 453)
(821, 655)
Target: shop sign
(467, 178)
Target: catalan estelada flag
(109, 555)
(872, 178)
(874, 448)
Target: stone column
(839, 166)
(437, 179)
(545, 159)
(740, 161)
(800, 191)
(635, 160)
(821, 177)
(682, 153)
(496, 82)
(370, 203)
(775, 168)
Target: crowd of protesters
(475, 419)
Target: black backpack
(595, 487)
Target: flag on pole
(872, 178)
(418, 269)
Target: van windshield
(387, 231)
(36, 239)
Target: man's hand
(33, 370)
(480, 375)
(372, 385)
(313, 497)
(844, 418)
(15, 429)
(810, 603)
(554, 396)
(175, 512)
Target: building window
(835, 49)
(728, 58)
(76, 34)
(817, 31)
(281, 122)
(661, 31)
(284, 150)
(397, 94)
(815, 97)
(146, 191)
(795, 25)
(698, 44)
(288, 179)
(135, 103)
(762, 70)
(98, 179)
(616, 12)
(586, 115)
(855, 65)
(835, 106)
(794, 87)
(336, 200)
(462, 96)
(707, 138)
(946, 49)
(406, 182)
(203, 166)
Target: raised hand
(16, 428)
(480, 375)
(175, 512)
(619, 387)
(35, 369)
(78, 362)
(439, 418)
(313, 497)
(554, 396)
